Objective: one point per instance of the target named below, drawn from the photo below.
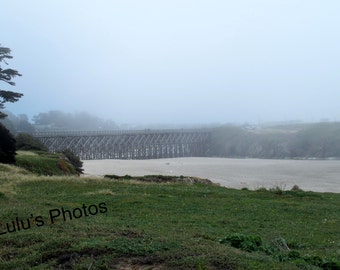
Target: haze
(178, 61)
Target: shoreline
(308, 174)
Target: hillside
(67, 222)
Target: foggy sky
(176, 61)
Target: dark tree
(7, 146)
(7, 75)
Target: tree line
(316, 140)
(56, 121)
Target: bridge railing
(116, 132)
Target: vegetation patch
(74, 160)
(279, 249)
(44, 163)
(5, 168)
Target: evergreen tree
(7, 75)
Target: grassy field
(68, 222)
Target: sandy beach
(309, 175)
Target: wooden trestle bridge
(132, 144)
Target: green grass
(171, 225)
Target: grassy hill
(44, 163)
(69, 222)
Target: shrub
(296, 188)
(62, 165)
(25, 141)
(247, 243)
(74, 160)
(7, 146)
(278, 250)
(278, 190)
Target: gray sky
(176, 61)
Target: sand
(309, 175)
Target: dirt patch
(163, 179)
(130, 234)
(68, 260)
(143, 263)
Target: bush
(278, 250)
(74, 160)
(26, 141)
(7, 146)
(246, 243)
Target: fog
(178, 61)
